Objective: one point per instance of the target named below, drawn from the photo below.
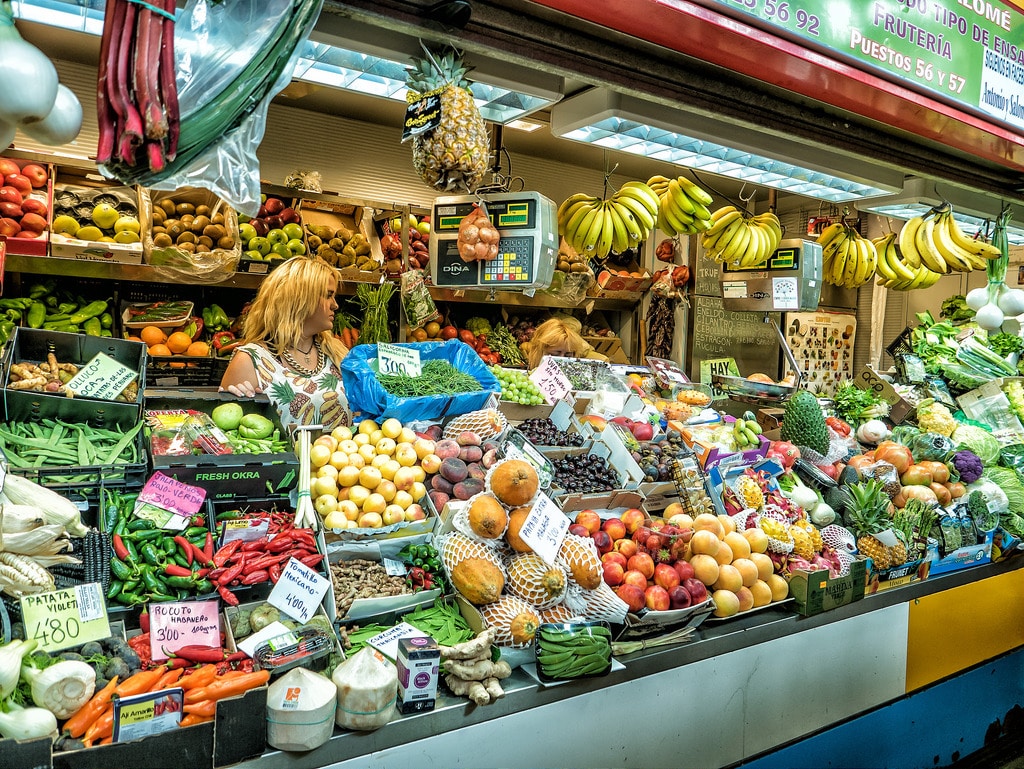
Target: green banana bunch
(746, 433)
(574, 651)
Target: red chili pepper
(230, 575)
(208, 547)
(177, 662)
(275, 572)
(229, 598)
(312, 560)
(255, 544)
(221, 556)
(200, 573)
(214, 574)
(838, 425)
(197, 653)
(199, 555)
(120, 550)
(255, 577)
(266, 561)
(173, 570)
(144, 618)
(186, 548)
(280, 543)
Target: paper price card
(545, 528)
(175, 624)
(64, 618)
(174, 496)
(244, 529)
(299, 591)
(387, 642)
(102, 378)
(398, 360)
(552, 383)
(142, 715)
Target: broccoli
(967, 465)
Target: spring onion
(29, 77)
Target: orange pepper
(167, 680)
(82, 719)
(101, 727)
(199, 678)
(139, 683)
(206, 708)
(228, 687)
(191, 719)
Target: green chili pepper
(36, 315)
(140, 524)
(195, 531)
(178, 583)
(153, 582)
(204, 586)
(120, 569)
(151, 555)
(115, 589)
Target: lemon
(89, 233)
(65, 224)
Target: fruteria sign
(969, 52)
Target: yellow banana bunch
(848, 259)
(683, 208)
(597, 227)
(936, 242)
(741, 241)
(894, 272)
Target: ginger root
(478, 670)
(471, 649)
(472, 689)
(493, 688)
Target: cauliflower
(933, 417)
(967, 465)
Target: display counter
(741, 688)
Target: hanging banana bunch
(893, 270)
(740, 240)
(596, 227)
(683, 208)
(936, 241)
(848, 259)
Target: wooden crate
(608, 346)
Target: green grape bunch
(517, 387)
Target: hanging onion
(29, 77)
(62, 124)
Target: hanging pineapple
(454, 156)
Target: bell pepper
(194, 327)
(221, 338)
(218, 317)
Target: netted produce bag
(837, 449)
(839, 539)
(560, 612)
(536, 581)
(776, 527)
(476, 571)
(483, 519)
(514, 620)
(487, 423)
(578, 556)
(845, 561)
(598, 604)
(515, 482)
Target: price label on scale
(394, 360)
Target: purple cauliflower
(967, 465)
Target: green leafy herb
(856, 405)
(955, 309)
(1004, 344)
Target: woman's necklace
(304, 368)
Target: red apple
(8, 167)
(274, 205)
(11, 195)
(590, 519)
(656, 598)
(666, 576)
(684, 570)
(289, 216)
(633, 577)
(9, 228)
(633, 519)
(615, 527)
(10, 210)
(679, 597)
(603, 541)
(614, 556)
(20, 182)
(643, 563)
(612, 573)
(36, 174)
(642, 431)
(697, 589)
(260, 226)
(579, 530)
(830, 470)
(632, 596)
(33, 206)
(33, 224)
(625, 546)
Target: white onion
(62, 124)
(990, 317)
(7, 131)
(977, 298)
(29, 78)
(1011, 301)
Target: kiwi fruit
(186, 236)
(187, 247)
(200, 223)
(174, 229)
(185, 208)
(214, 231)
(218, 219)
(227, 243)
(162, 240)
(202, 249)
(202, 210)
(203, 240)
(168, 206)
(159, 215)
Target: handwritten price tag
(182, 623)
(544, 528)
(102, 377)
(550, 380)
(394, 359)
(299, 591)
(169, 494)
(64, 618)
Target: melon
(478, 580)
(557, 614)
(579, 555)
(487, 518)
(514, 482)
(514, 620)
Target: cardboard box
(899, 408)
(266, 264)
(624, 279)
(29, 344)
(37, 246)
(74, 199)
(961, 558)
(710, 455)
(886, 579)
(190, 746)
(607, 504)
(418, 663)
(227, 476)
(352, 217)
(209, 265)
(518, 412)
(816, 592)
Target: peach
(579, 530)
(684, 569)
(747, 569)
(431, 463)
(666, 576)
(709, 522)
(447, 449)
(615, 527)
(757, 538)
(746, 598)
(612, 573)
(602, 541)
(765, 567)
(370, 521)
(634, 577)
(738, 544)
(761, 593)
(633, 519)
(729, 578)
(727, 603)
(724, 553)
(728, 524)
(625, 546)
(656, 598)
(705, 542)
(779, 587)
(423, 447)
(642, 563)
(705, 568)
(415, 512)
(614, 556)
(634, 597)
(589, 519)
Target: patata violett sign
(970, 52)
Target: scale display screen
(527, 249)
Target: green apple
(255, 256)
(296, 246)
(104, 215)
(424, 228)
(260, 244)
(293, 231)
(246, 232)
(242, 218)
(280, 251)
(277, 236)
(127, 224)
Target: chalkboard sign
(720, 333)
(706, 276)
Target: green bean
(437, 377)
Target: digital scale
(527, 250)
(791, 280)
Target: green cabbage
(982, 443)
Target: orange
(419, 334)
(198, 350)
(178, 342)
(157, 350)
(433, 329)
(134, 339)
(152, 335)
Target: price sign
(550, 380)
(545, 528)
(174, 496)
(141, 715)
(387, 642)
(397, 360)
(102, 378)
(299, 591)
(64, 618)
(182, 623)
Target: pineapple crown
(435, 71)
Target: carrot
(206, 708)
(191, 719)
(228, 687)
(167, 680)
(82, 719)
(138, 683)
(101, 727)
(107, 740)
(199, 678)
